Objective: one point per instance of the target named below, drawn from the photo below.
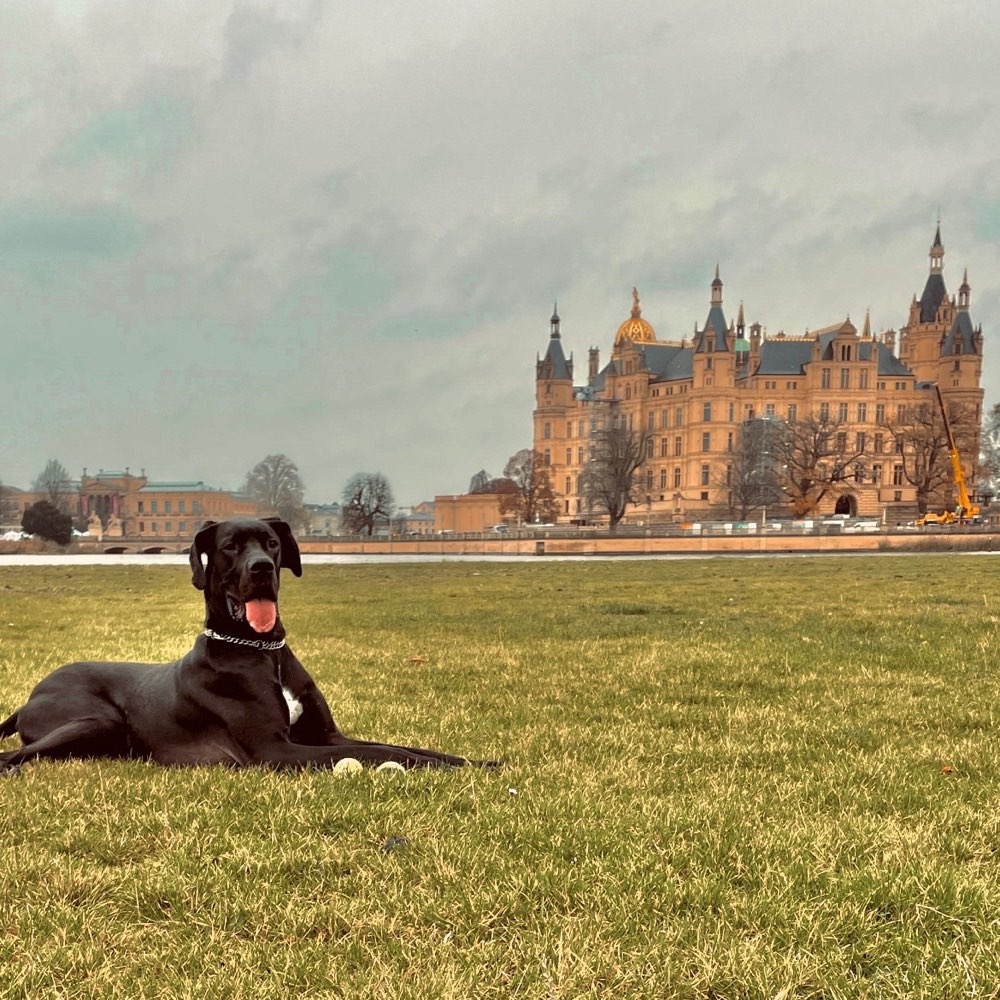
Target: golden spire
(636, 311)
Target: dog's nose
(261, 567)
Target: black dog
(240, 697)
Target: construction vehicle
(965, 510)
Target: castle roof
(635, 328)
(960, 339)
(933, 295)
(555, 355)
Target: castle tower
(931, 316)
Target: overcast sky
(337, 229)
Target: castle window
(649, 479)
(792, 413)
(769, 410)
(897, 475)
(679, 417)
(649, 447)
(859, 442)
(842, 413)
(664, 448)
(862, 413)
(547, 431)
(569, 456)
(651, 420)
(547, 457)
(732, 411)
(663, 479)
(706, 412)
(705, 473)
(664, 418)
(876, 474)
(863, 378)
(677, 478)
(824, 412)
(824, 381)
(708, 364)
(880, 413)
(706, 441)
(877, 442)
(729, 441)
(628, 392)
(845, 378)
(677, 445)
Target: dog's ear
(203, 545)
(290, 558)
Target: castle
(693, 398)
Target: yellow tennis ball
(347, 765)
(391, 765)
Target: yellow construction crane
(965, 509)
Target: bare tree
(529, 495)
(276, 485)
(752, 478)
(54, 481)
(367, 500)
(609, 481)
(814, 460)
(922, 449)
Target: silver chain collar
(254, 643)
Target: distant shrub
(47, 521)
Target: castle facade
(692, 398)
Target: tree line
(275, 483)
(774, 463)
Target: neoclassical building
(694, 396)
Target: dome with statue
(635, 328)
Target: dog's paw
(9, 770)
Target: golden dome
(635, 328)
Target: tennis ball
(391, 765)
(347, 765)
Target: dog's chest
(294, 706)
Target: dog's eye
(272, 543)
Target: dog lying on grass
(239, 697)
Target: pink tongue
(261, 614)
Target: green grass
(725, 778)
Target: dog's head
(237, 564)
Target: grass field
(725, 778)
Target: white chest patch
(294, 706)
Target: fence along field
(725, 778)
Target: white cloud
(346, 226)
